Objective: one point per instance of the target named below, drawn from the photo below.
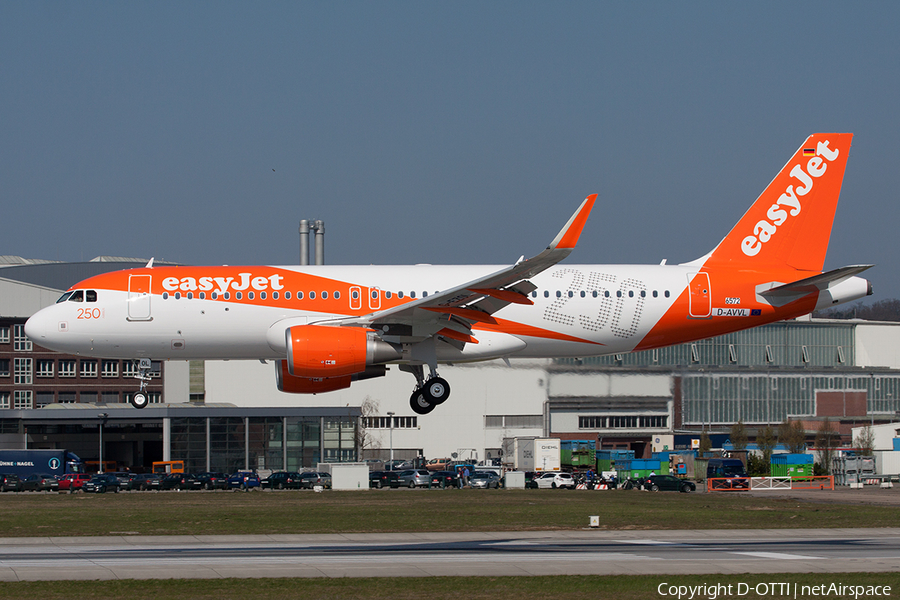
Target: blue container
(792, 459)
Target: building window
(110, 368)
(21, 343)
(4, 335)
(4, 399)
(656, 422)
(89, 368)
(23, 372)
(129, 369)
(110, 397)
(42, 399)
(513, 421)
(152, 397)
(67, 398)
(67, 368)
(591, 422)
(22, 399)
(4, 367)
(44, 368)
(385, 422)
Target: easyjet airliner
(327, 326)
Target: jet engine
(317, 351)
(317, 385)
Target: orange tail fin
(790, 223)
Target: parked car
(190, 481)
(281, 480)
(382, 479)
(438, 464)
(444, 479)
(556, 479)
(243, 480)
(102, 483)
(145, 481)
(311, 479)
(669, 483)
(531, 480)
(414, 478)
(213, 480)
(484, 480)
(10, 483)
(172, 481)
(124, 478)
(398, 465)
(72, 482)
(40, 482)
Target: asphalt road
(464, 554)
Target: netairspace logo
(772, 589)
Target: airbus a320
(328, 326)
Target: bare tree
(766, 441)
(793, 436)
(827, 439)
(705, 444)
(865, 442)
(738, 436)
(365, 441)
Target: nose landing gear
(140, 399)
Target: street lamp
(391, 421)
(103, 417)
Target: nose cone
(42, 329)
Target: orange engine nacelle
(305, 385)
(318, 385)
(316, 351)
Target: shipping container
(578, 454)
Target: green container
(792, 470)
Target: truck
(27, 462)
(533, 454)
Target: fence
(744, 484)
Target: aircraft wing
(451, 312)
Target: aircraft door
(139, 297)
(700, 298)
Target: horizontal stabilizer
(815, 283)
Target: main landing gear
(427, 394)
(140, 399)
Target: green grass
(293, 512)
(628, 587)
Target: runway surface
(463, 554)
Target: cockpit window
(64, 297)
(91, 295)
(77, 296)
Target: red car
(73, 482)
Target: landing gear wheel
(420, 403)
(438, 389)
(140, 400)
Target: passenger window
(299, 295)
(546, 293)
(387, 295)
(91, 295)
(77, 296)
(312, 295)
(412, 294)
(324, 295)
(655, 294)
(399, 294)
(667, 293)
(337, 295)
(424, 294)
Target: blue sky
(462, 132)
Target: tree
(827, 439)
(766, 441)
(793, 436)
(705, 444)
(738, 436)
(865, 442)
(365, 442)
